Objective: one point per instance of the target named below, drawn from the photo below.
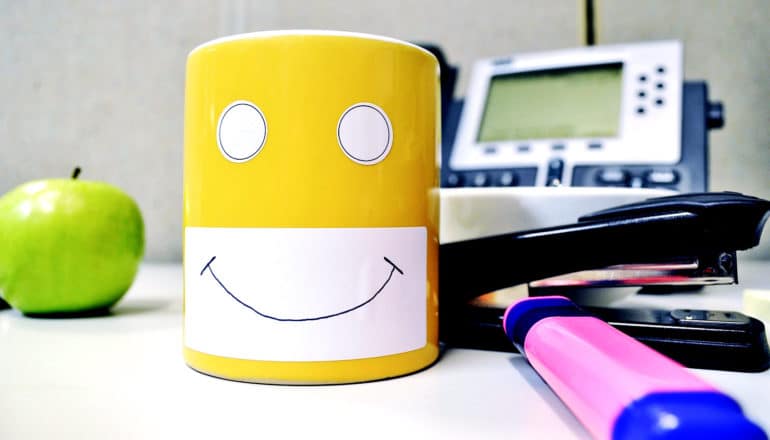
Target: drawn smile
(393, 268)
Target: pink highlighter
(616, 386)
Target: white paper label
(305, 294)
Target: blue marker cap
(522, 315)
(685, 415)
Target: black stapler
(681, 240)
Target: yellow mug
(310, 224)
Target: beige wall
(100, 83)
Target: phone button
(661, 177)
(454, 180)
(555, 171)
(612, 176)
(507, 178)
(479, 179)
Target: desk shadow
(134, 308)
(549, 397)
(142, 307)
(93, 313)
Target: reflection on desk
(122, 376)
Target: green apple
(68, 246)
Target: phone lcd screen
(564, 103)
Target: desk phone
(616, 115)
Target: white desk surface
(123, 376)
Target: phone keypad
(648, 84)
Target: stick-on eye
(364, 133)
(241, 132)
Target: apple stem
(76, 172)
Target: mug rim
(307, 32)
